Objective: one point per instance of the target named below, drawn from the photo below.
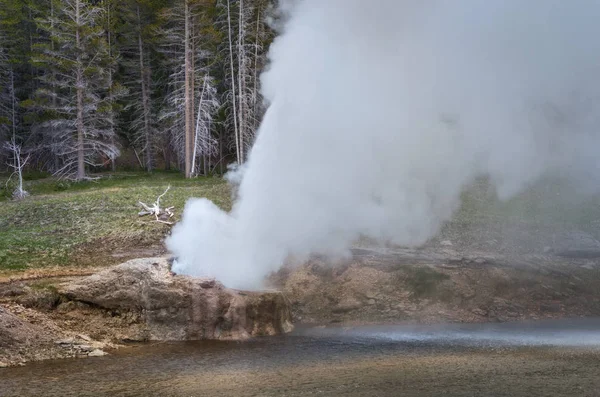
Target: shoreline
(39, 320)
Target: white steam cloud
(382, 111)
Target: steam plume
(381, 112)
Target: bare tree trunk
(206, 158)
(80, 129)
(80, 86)
(255, 88)
(13, 103)
(19, 170)
(113, 165)
(233, 83)
(145, 98)
(241, 72)
(13, 109)
(189, 111)
(221, 137)
(197, 127)
(192, 88)
(57, 158)
(167, 152)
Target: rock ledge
(174, 308)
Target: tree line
(173, 83)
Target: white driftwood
(158, 212)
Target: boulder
(174, 307)
(97, 353)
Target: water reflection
(374, 360)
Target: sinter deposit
(180, 307)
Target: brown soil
(89, 259)
(429, 286)
(107, 252)
(37, 324)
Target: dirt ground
(430, 287)
(36, 323)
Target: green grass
(63, 221)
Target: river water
(557, 358)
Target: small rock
(371, 302)
(97, 353)
(347, 305)
(446, 243)
(589, 266)
(13, 291)
(479, 312)
(84, 348)
(550, 307)
(207, 284)
(68, 341)
(84, 337)
(3, 364)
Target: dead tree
(189, 131)
(17, 165)
(243, 25)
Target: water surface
(560, 358)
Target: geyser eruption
(380, 113)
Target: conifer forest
(89, 86)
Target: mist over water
(381, 112)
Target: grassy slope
(528, 220)
(59, 222)
(548, 203)
(81, 224)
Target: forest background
(92, 86)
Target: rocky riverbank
(446, 281)
(437, 286)
(138, 301)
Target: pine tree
(6, 101)
(76, 87)
(137, 47)
(116, 90)
(190, 74)
(16, 38)
(189, 62)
